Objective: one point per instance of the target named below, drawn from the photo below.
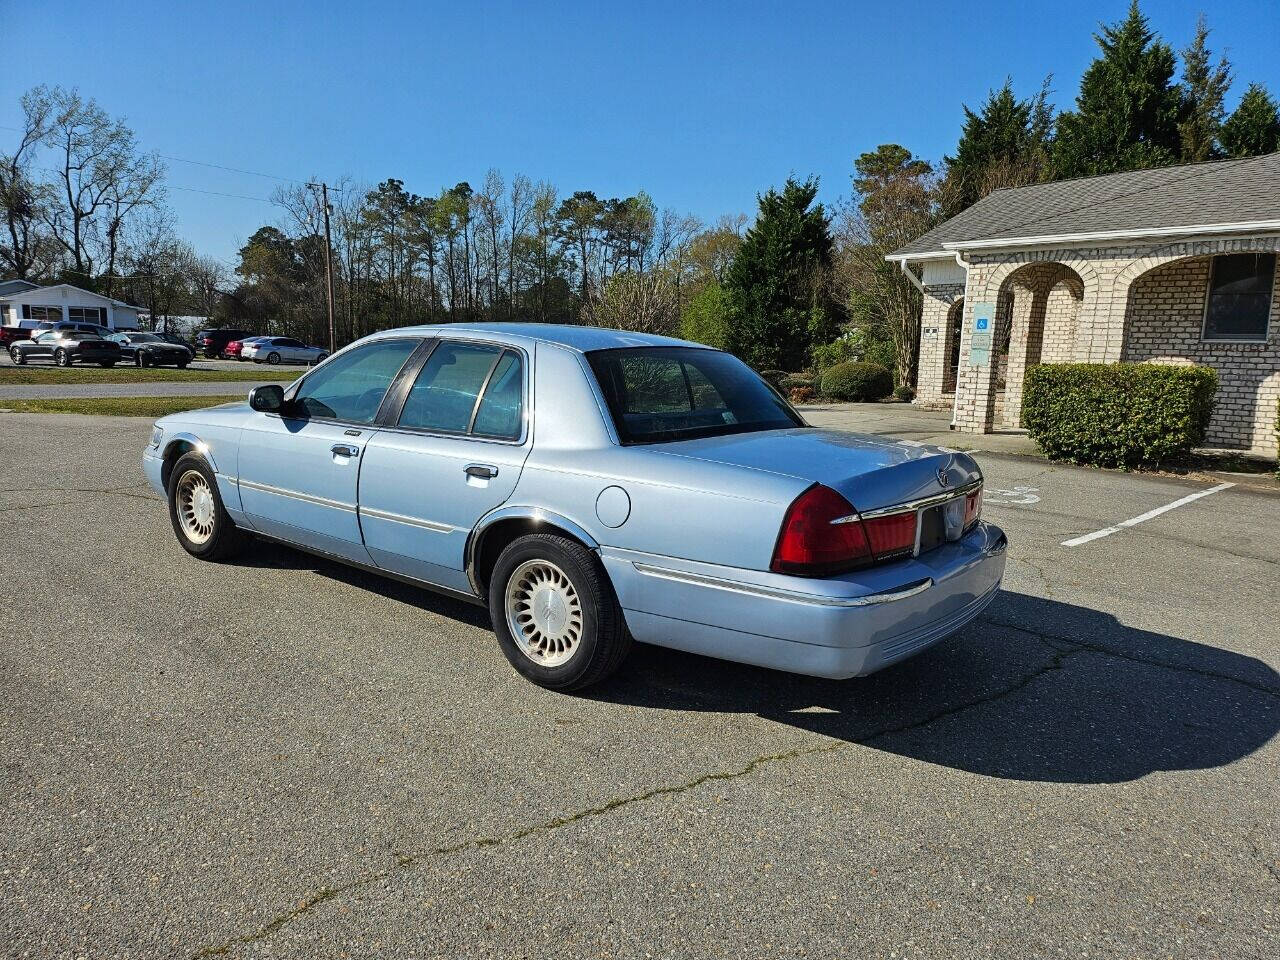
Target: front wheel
(62, 358)
(17, 356)
(182, 364)
(319, 359)
(199, 519)
(555, 613)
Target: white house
(22, 300)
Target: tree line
(798, 285)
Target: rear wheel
(555, 613)
(182, 364)
(199, 519)
(321, 358)
(273, 358)
(17, 356)
(62, 358)
(107, 364)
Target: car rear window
(659, 394)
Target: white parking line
(1134, 521)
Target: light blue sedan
(594, 487)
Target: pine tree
(1204, 87)
(777, 282)
(1127, 112)
(1254, 128)
(1003, 145)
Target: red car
(10, 335)
(232, 350)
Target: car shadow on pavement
(275, 555)
(1034, 689)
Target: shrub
(775, 377)
(802, 394)
(1117, 414)
(904, 393)
(793, 380)
(841, 350)
(857, 381)
(707, 317)
(882, 352)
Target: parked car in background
(12, 334)
(211, 343)
(281, 350)
(174, 338)
(65, 347)
(669, 495)
(232, 351)
(149, 350)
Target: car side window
(499, 413)
(444, 397)
(352, 385)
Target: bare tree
(520, 201)
(28, 250)
(98, 166)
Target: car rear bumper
(836, 627)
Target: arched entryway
(955, 323)
(1037, 314)
(1220, 311)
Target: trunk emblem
(943, 479)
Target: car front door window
(351, 386)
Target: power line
(216, 193)
(219, 166)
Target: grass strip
(115, 406)
(36, 375)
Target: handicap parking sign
(982, 323)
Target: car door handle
(346, 449)
(481, 471)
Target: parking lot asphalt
(282, 757)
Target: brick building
(1175, 265)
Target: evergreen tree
(777, 282)
(1254, 128)
(1204, 87)
(1127, 112)
(1005, 143)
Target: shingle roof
(1192, 195)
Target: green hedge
(857, 381)
(1117, 414)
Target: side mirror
(268, 398)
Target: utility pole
(328, 260)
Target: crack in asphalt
(125, 491)
(1269, 863)
(408, 861)
(1078, 644)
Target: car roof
(565, 335)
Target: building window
(85, 314)
(1239, 301)
(32, 312)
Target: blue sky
(702, 104)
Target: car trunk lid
(871, 472)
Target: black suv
(211, 343)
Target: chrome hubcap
(544, 613)
(195, 506)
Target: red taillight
(811, 545)
(892, 536)
(972, 507)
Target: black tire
(321, 358)
(17, 356)
(139, 360)
(603, 642)
(182, 364)
(62, 358)
(273, 358)
(226, 539)
(107, 364)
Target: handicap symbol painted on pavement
(1014, 497)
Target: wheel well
(171, 455)
(496, 538)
